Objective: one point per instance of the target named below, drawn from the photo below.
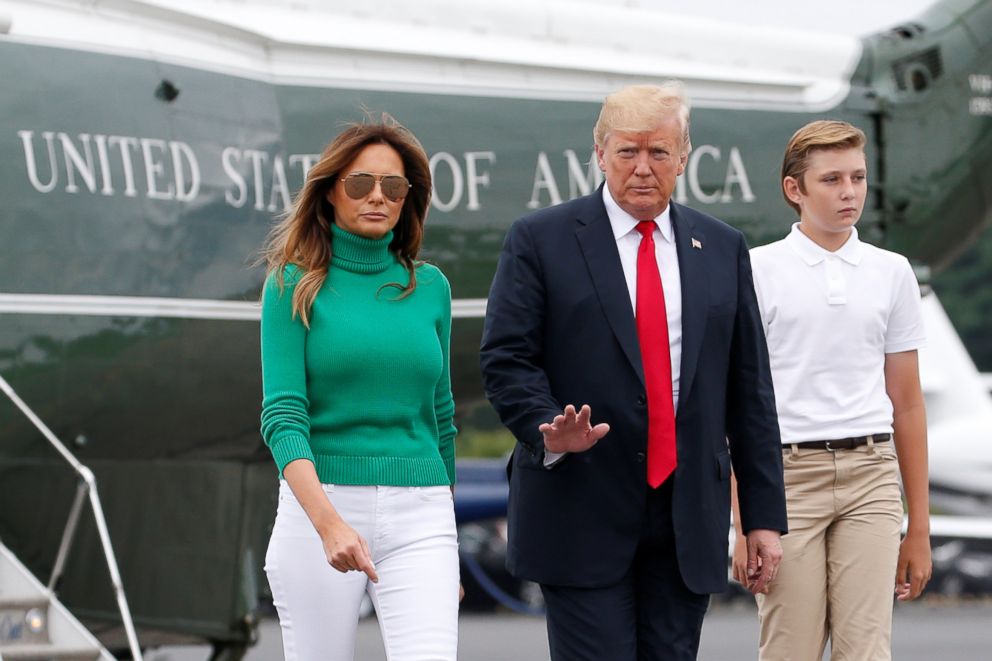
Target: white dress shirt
(628, 241)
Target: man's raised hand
(571, 431)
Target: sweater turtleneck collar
(358, 254)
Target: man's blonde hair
(823, 134)
(640, 108)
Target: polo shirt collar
(623, 223)
(813, 254)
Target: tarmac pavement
(925, 631)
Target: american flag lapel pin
(697, 244)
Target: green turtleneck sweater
(365, 393)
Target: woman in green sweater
(357, 407)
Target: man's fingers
(570, 431)
(764, 553)
(753, 571)
(582, 419)
(769, 566)
(753, 581)
(753, 561)
(763, 579)
(568, 420)
(759, 585)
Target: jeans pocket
(885, 451)
(286, 494)
(434, 494)
(289, 513)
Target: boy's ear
(791, 187)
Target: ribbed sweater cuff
(449, 466)
(290, 448)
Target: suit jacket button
(642, 399)
(641, 457)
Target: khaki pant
(838, 572)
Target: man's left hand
(764, 553)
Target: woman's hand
(346, 550)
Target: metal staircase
(34, 624)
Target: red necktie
(652, 334)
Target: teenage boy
(843, 325)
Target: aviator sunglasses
(359, 184)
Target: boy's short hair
(819, 135)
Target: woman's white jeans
(411, 535)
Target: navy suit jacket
(560, 330)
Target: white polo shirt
(829, 319)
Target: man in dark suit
(625, 309)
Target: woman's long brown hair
(303, 236)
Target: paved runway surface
(921, 632)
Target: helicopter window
(908, 30)
(916, 72)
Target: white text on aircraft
(170, 170)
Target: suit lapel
(599, 248)
(689, 244)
